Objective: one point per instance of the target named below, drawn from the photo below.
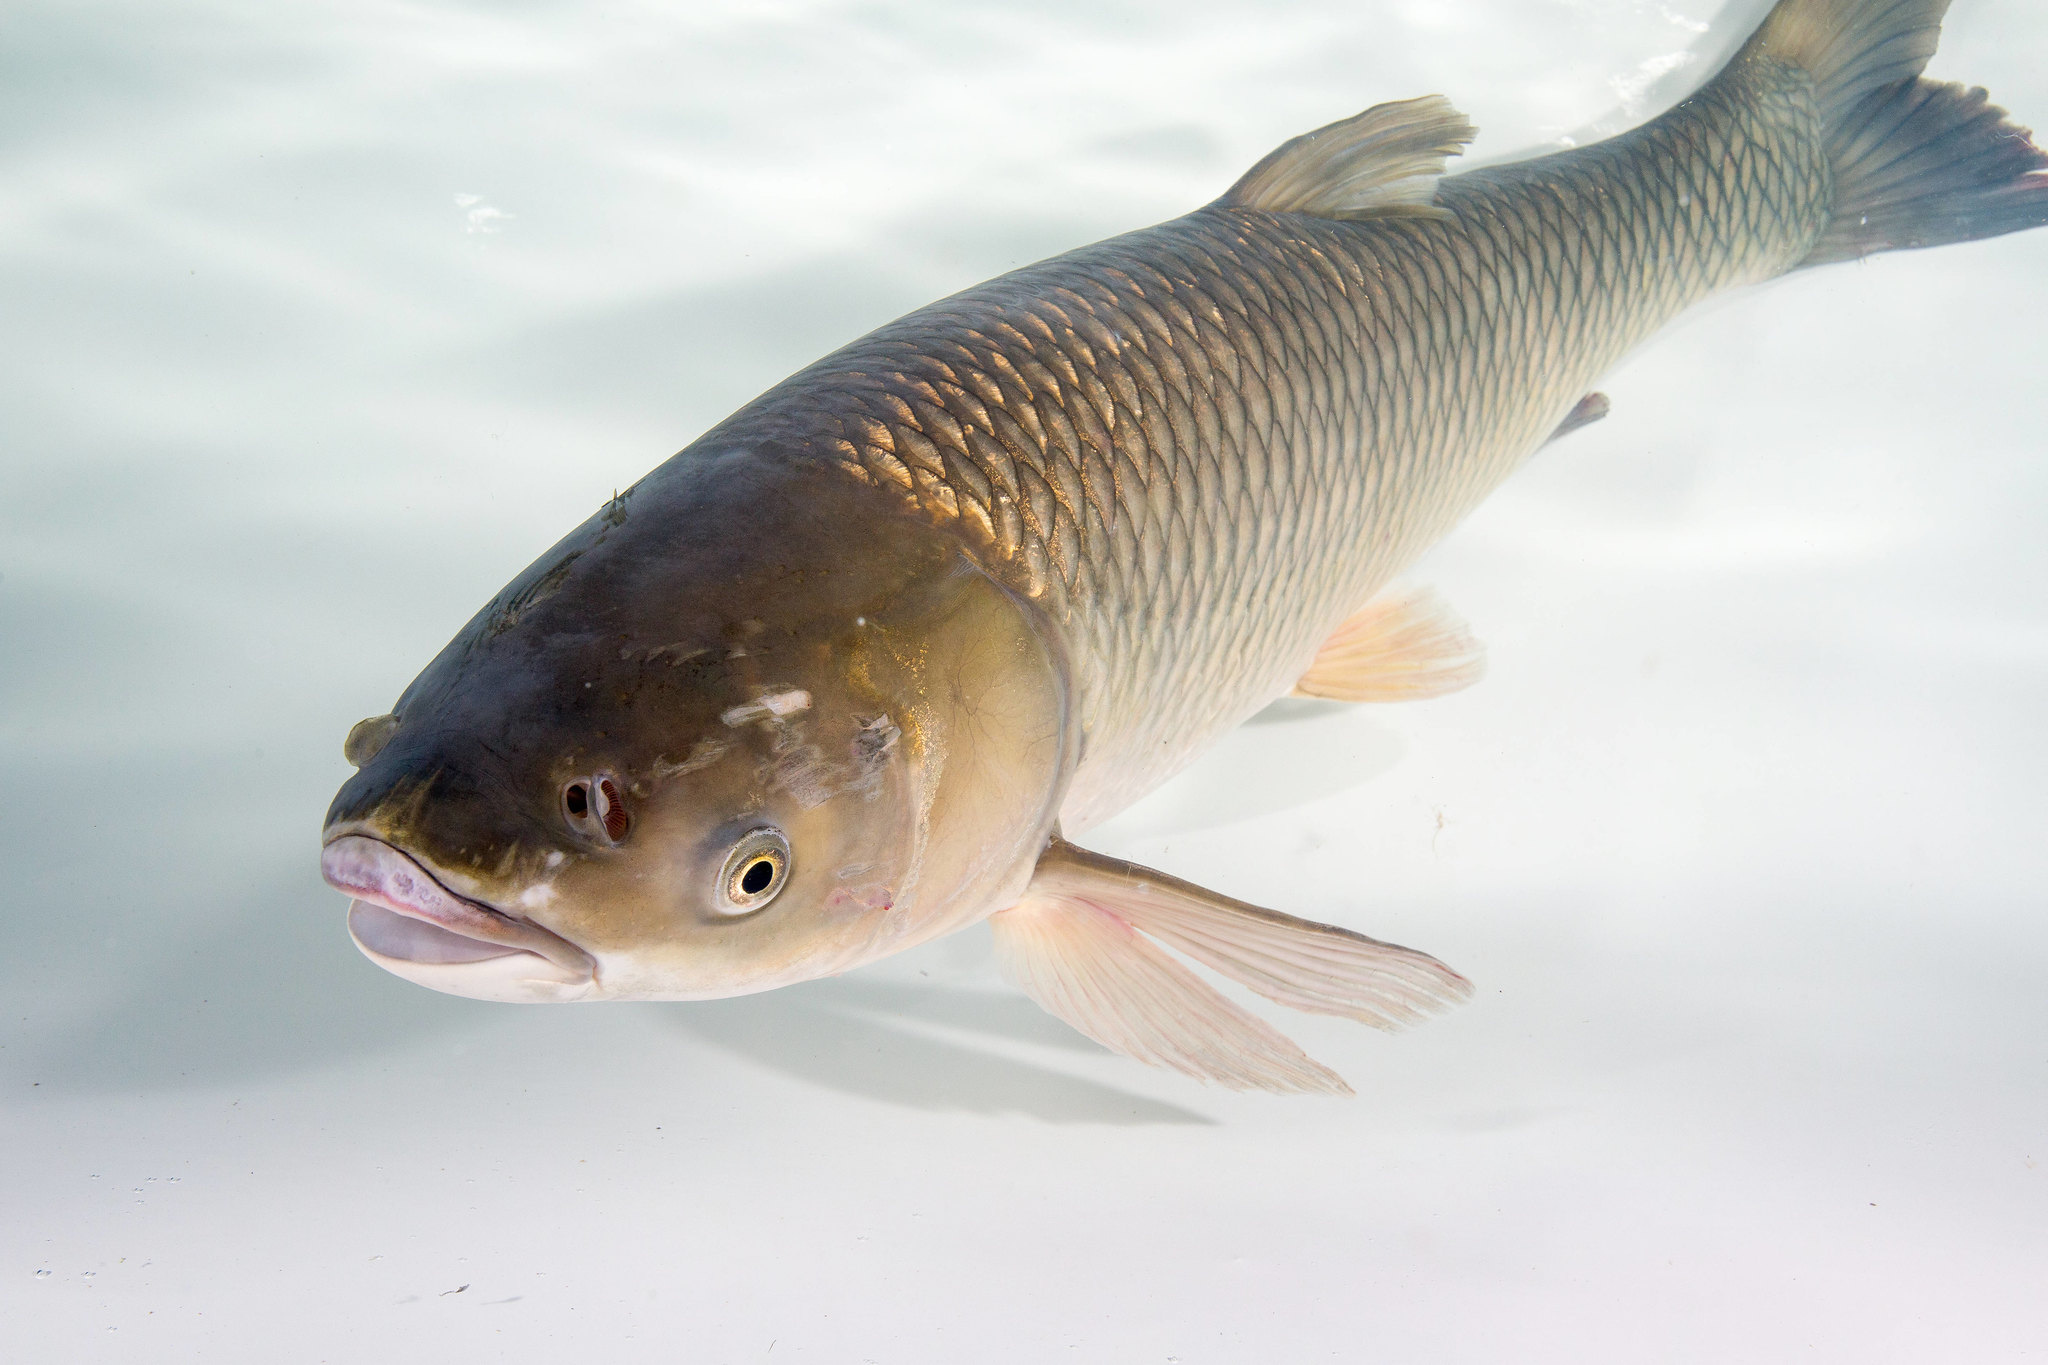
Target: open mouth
(407, 922)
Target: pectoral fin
(1089, 967)
(1403, 646)
(1081, 943)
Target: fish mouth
(406, 921)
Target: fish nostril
(366, 738)
(595, 809)
(612, 810)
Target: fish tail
(1915, 163)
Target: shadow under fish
(881, 1041)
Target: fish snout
(406, 921)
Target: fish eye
(595, 809)
(754, 872)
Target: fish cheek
(650, 910)
(986, 732)
(863, 849)
(849, 858)
(613, 903)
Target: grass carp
(849, 671)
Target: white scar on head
(537, 896)
(768, 706)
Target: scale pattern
(1201, 445)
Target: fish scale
(1186, 461)
(1199, 446)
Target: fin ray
(1584, 413)
(1402, 646)
(1318, 968)
(1088, 966)
(1925, 163)
(1386, 160)
(1853, 47)
(1916, 163)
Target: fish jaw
(403, 919)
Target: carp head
(750, 724)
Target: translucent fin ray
(1925, 164)
(1299, 963)
(1852, 47)
(1088, 966)
(1584, 413)
(1916, 163)
(1402, 646)
(1386, 160)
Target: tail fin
(1916, 162)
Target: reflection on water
(263, 985)
(326, 327)
(228, 1004)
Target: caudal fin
(1916, 162)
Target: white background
(322, 319)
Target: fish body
(845, 673)
(1199, 447)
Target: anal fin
(1402, 646)
(1584, 413)
(1081, 943)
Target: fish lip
(366, 868)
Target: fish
(855, 668)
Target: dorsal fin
(1385, 160)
